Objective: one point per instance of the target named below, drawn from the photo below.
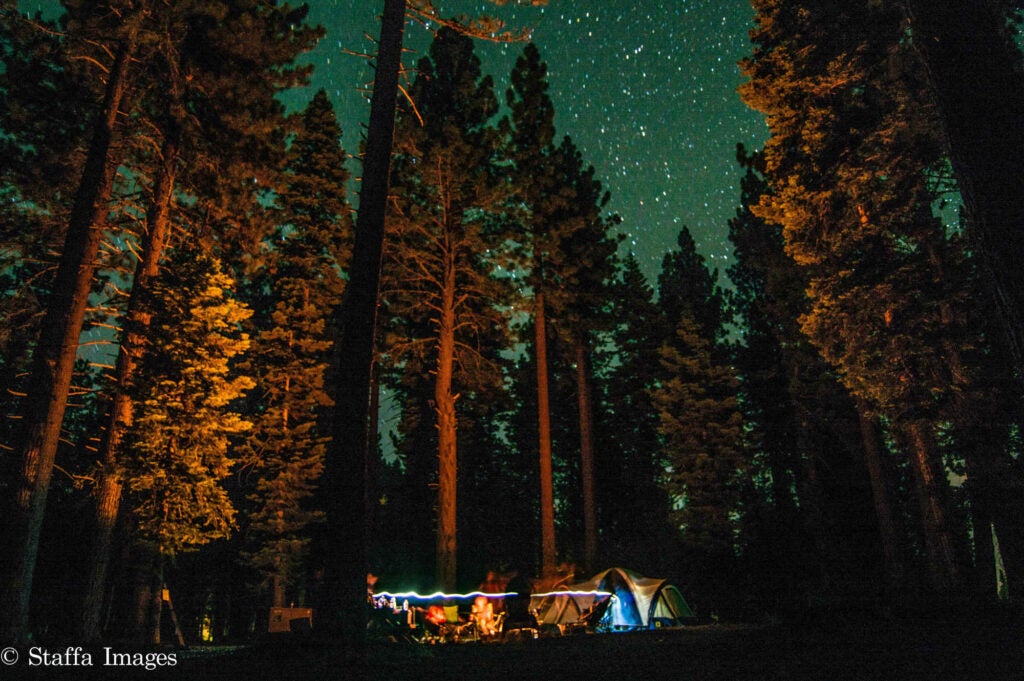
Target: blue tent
(628, 602)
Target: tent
(620, 600)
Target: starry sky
(646, 89)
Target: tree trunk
(277, 586)
(881, 494)
(56, 352)
(549, 556)
(108, 493)
(156, 600)
(373, 454)
(343, 549)
(444, 404)
(933, 500)
(586, 458)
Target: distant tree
(699, 417)
(531, 133)
(699, 425)
(185, 387)
(566, 255)
(633, 505)
(290, 349)
(585, 271)
(685, 284)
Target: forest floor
(884, 650)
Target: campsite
(696, 324)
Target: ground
(866, 649)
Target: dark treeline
(837, 428)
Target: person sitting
(483, 616)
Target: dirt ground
(831, 651)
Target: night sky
(646, 89)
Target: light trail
(412, 595)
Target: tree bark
(343, 547)
(586, 457)
(881, 494)
(549, 555)
(156, 600)
(444, 404)
(55, 355)
(108, 493)
(933, 500)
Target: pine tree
(177, 452)
(849, 158)
(973, 67)
(531, 134)
(203, 145)
(699, 426)
(634, 506)
(185, 387)
(290, 349)
(443, 227)
(699, 418)
(38, 91)
(802, 429)
(35, 442)
(344, 591)
(579, 289)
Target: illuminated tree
(184, 391)
(441, 286)
(850, 161)
(195, 143)
(803, 521)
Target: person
(483, 616)
(517, 606)
(371, 583)
(494, 584)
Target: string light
(442, 595)
(573, 593)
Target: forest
(188, 281)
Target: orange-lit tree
(443, 236)
(851, 157)
(186, 391)
(193, 144)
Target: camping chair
(588, 619)
(451, 630)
